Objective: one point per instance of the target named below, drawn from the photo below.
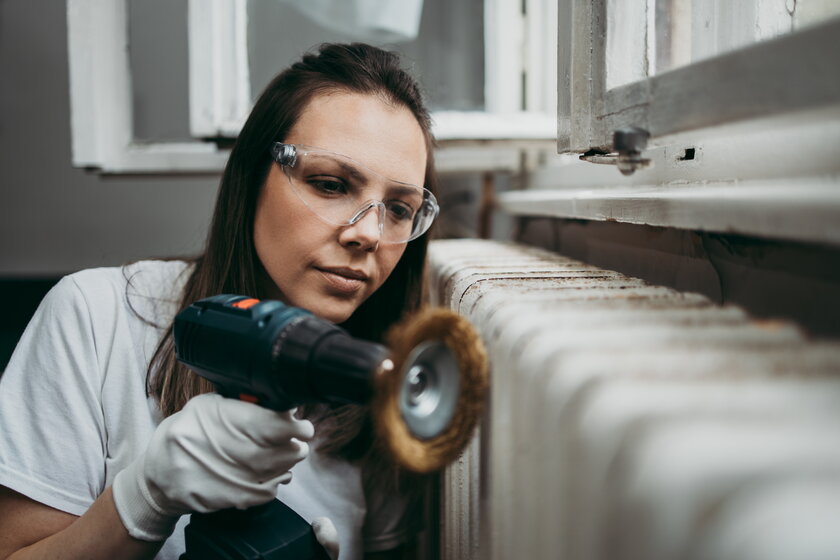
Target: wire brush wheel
(426, 408)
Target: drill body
(279, 357)
(429, 395)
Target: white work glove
(215, 453)
(327, 535)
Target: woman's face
(330, 270)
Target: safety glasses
(341, 191)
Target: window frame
(218, 50)
(499, 138)
(735, 86)
(764, 156)
(101, 112)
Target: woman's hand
(216, 453)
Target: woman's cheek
(390, 257)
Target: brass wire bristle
(456, 332)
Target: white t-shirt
(74, 410)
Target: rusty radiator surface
(630, 421)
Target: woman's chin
(334, 313)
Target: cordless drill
(278, 357)
(426, 390)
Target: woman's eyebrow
(394, 186)
(351, 170)
(407, 190)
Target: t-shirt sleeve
(393, 518)
(52, 432)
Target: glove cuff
(140, 515)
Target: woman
(324, 204)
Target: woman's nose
(366, 231)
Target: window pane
(447, 56)
(159, 69)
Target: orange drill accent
(246, 303)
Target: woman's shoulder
(149, 278)
(148, 286)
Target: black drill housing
(279, 357)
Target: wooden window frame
(739, 85)
(101, 112)
(762, 123)
(519, 52)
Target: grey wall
(54, 218)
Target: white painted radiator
(629, 421)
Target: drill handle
(272, 530)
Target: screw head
(630, 139)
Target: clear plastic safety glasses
(341, 191)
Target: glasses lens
(340, 191)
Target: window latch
(628, 144)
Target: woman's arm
(213, 454)
(29, 529)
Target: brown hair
(230, 264)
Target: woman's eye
(328, 186)
(399, 210)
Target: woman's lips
(344, 280)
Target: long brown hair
(229, 263)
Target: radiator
(633, 421)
